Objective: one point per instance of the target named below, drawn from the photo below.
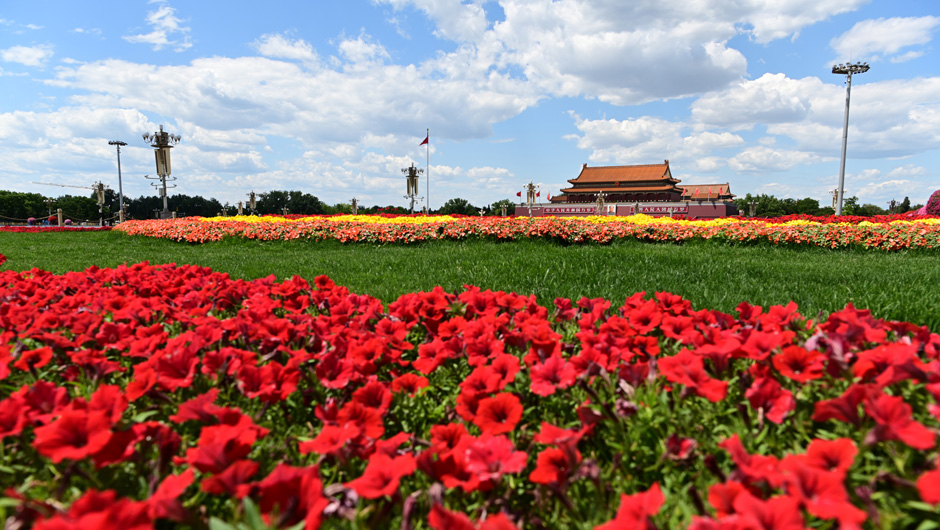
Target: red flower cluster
(191, 394)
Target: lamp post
(162, 142)
(411, 175)
(847, 70)
(119, 144)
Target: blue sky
(333, 98)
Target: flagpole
(427, 172)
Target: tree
(850, 206)
(17, 206)
(495, 208)
(295, 201)
(869, 210)
(458, 206)
(807, 206)
(78, 208)
(905, 205)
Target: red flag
(518, 194)
(549, 196)
(425, 140)
(538, 193)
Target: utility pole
(119, 144)
(847, 70)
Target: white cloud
(361, 53)
(779, 19)
(454, 19)
(167, 29)
(619, 52)
(761, 158)
(645, 139)
(885, 37)
(27, 55)
(280, 47)
(909, 170)
(772, 98)
(88, 31)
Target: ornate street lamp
(411, 175)
(847, 70)
(162, 142)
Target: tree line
(770, 206)
(17, 207)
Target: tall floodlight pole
(847, 70)
(118, 144)
(162, 142)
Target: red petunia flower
(383, 475)
(821, 492)
(766, 394)
(498, 414)
(843, 408)
(895, 422)
(12, 416)
(553, 374)
(635, 510)
(490, 457)
(368, 419)
(409, 383)
(778, 513)
(331, 439)
(686, 368)
(34, 359)
(374, 394)
(799, 364)
(228, 481)
(554, 465)
(836, 456)
(441, 518)
(76, 435)
(721, 497)
(752, 468)
(928, 485)
(164, 503)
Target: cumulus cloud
(167, 29)
(27, 55)
(772, 98)
(779, 19)
(619, 52)
(280, 47)
(879, 38)
(762, 159)
(639, 140)
(455, 20)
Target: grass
(896, 286)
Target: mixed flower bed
(147, 396)
(887, 233)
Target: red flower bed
(51, 228)
(157, 395)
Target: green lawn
(899, 286)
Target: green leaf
(218, 524)
(253, 515)
(920, 505)
(142, 416)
